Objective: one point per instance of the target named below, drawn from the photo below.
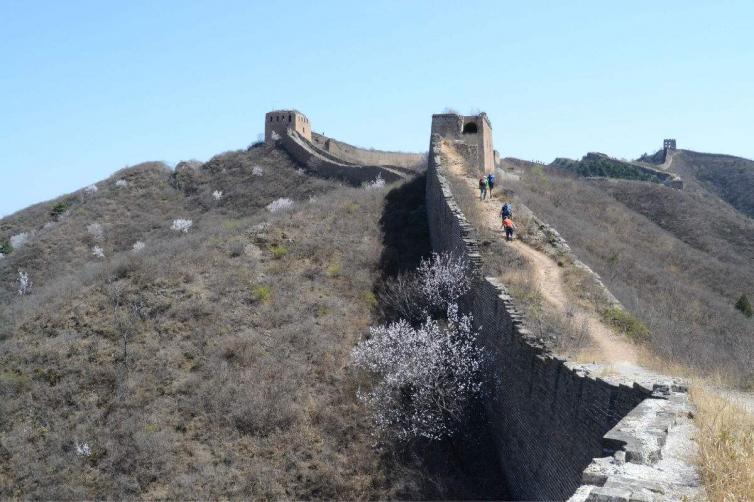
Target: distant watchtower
(279, 121)
(474, 132)
(668, 144)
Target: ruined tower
(279, 121)
(472, 135)
(668, 144)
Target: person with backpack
(509, 228)
(506, 211)
(482, 187)
(491, 182)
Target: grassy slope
(211, 364)
(678, 266)
(730, 178)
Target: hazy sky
(87, 88)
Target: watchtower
(474, 132)
(279, 121)
(668, 144)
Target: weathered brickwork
(362, 156)
(472, 135)
(302, 151)
(550, 419)
(279, 121)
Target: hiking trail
(606, 346)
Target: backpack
(482, 183)
(491, 178)
(507, 210)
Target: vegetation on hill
(598, 165)
(730, 178)
(676, 260)
(188, 334)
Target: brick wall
(549, 419)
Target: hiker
(509, 228)
(506, 211)
(482, 187)
(491, 182)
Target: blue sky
(87, 88)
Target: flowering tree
(280, 204)
(217, 194)
(96, 231)
(18, 240)
(427, 363)
(257, 171)
(98, 252)
(426, 375)
(24, 283)
(182, 225)
(138, 246)
(430, 290)
(90, 189)
(121, 183)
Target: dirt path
(607, 346)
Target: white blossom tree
(425, 375)
(430, 290)
(280, 204)
(24, 283)
(182, 225)
(217, 194)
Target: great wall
(561, 431)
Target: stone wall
(363, 156)
(302, 151)
(279, 121)
(551, 420)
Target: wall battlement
(474, 132)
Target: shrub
(744, 306)
(426, 375)
(96, 231)
(280, 204)
(261, 293)
(626, 323)
(6, 248)
(58, 209)
(278, 251)
(182, 225)
(378, 182)
(18, 240)
(24, 283)
(334, 269)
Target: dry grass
(726, 447)
(212, 364)
(678, 261)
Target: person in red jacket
(509, 228)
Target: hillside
(677, 259)
(209, 363)
(728, 177)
